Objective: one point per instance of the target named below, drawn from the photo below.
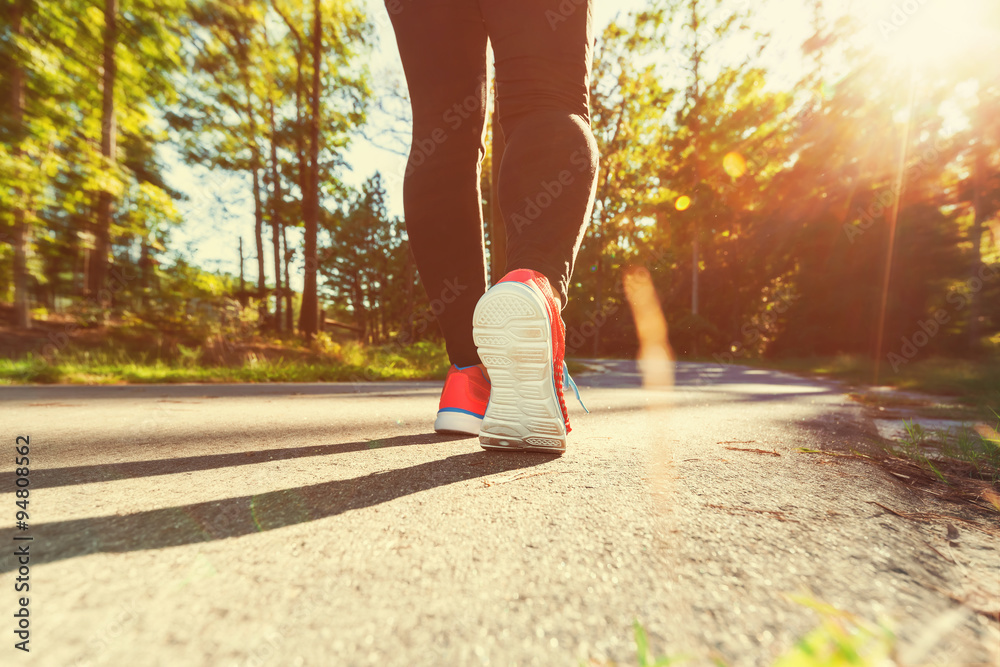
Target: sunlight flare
(924, 33)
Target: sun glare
(924, 33)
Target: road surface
(324, 524)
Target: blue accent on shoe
(568, 380)
(481, 371)
(467, 412)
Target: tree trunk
(300, 152)
(98, 265)
(146, 273)
(411, 279)
(243, 41)
(258, 233)
(599, 286)
(360, 314)
(22, 318)
(979, 184)
(308, 318)
(243, 286)
(276, 202)
(289, 323)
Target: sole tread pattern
(511, 329)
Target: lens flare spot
(682, 203)
(734, 164)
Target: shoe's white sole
(514, 337)
(457, 422)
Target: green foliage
(645, 658)
(367, 265)
(964, 443)
(332, 363)
(788, 191)
(786, 188)
(51, 167)
(841, 639)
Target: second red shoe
(463, 401)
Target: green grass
(327, 362)
(979, 449)
(840, 640)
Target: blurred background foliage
(762, 207)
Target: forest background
(210, 190)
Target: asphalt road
(325, 524)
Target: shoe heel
(512, 331)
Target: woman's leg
(543, 56)
(442, 44)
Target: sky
(220, 209)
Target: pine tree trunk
(258, 208)
(289, 319)
(599, 286)
(976, 234)
(308, 318)
(98, 265)
(300, 150)
(243, 284)
(276, 202)
(258, 215)
(411, 298)
(243, 41)
(22, 318)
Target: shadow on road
(109, 472)
(233, 517)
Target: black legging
(542, 51)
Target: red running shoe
(463, 401)
(522, 340)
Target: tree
(309, 315)
(367, 264)
(310, 94)
(98, 264)
(65, 147)
(19, 239)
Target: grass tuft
(977, 447)
(350, 362)
(841, 639)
